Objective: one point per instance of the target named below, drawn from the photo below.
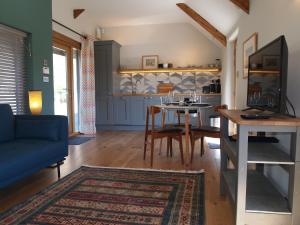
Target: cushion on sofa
(7, 131)
(37, 129)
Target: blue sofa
(29, 144)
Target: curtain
(87, 87)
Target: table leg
(187, 138)
(163, 123)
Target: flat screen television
(267, 77)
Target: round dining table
(186, 108)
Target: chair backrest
(154, 110)
(218, 107)
(151, 113)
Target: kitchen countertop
(153, 95)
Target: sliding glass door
(66, 82)
(60, 79)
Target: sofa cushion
(7, 131)
(23, 155)
(37, 129)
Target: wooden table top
(194, 106)
(277, 120)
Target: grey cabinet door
(121, 109)
(103, 74)
(138, 109)
(104, 108)
(214, 99)
(207, 113)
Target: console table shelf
(256, 199)
(262, 196)
(265, 153)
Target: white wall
(270, 19)
(62, 13)
(180, 44)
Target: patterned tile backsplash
(146, 83)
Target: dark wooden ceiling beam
(204, 23)
(77, 12)
(243, 4)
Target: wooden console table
(256, 199)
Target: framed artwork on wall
(249, 47)
(150, 62)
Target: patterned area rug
(106, 196)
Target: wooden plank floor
(125, 149)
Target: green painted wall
(34, 17)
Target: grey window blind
(12, 69)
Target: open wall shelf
(215, 71)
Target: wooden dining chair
(162, 132)
(201, 132)
(181, 113)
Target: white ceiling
(107, 13)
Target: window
(12, 69)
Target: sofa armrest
(62, 122)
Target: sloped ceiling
(109, 13)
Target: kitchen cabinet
(107, 64)
(213, 100)
(138, 106)
(129, 112)
(104, 109)
(121, 110)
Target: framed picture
(271, 62)
(249, 47)
(150, 62)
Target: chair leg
(58, 170)
(168, 146)
(171, 147)
(202, 146)
(152, 150)
(160, 145)
(181, 149)
(178, 118)
(145, 145)
(192, 146)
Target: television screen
(267, 77)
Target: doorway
(66, 54)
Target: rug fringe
(147, 169)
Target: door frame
(67, 44)
(234, 73)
